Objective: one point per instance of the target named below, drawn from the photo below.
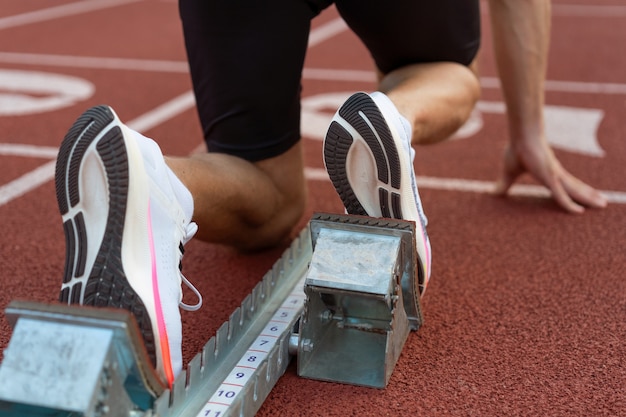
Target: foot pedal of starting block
(362, 299)
(75, 361)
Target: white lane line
(567, 86)
(317, 36)
(45, 173)
(111, 63)
(164, 112)
(580, 10)
(33, 151)
(155, 117)
(55, 12)
(27, 182)
(324, 74)
(473, 186)
(183, 102)
(326, 31)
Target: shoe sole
(364, 116)
(379, 189)
(97, 278)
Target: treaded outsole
(337, 145)
(106, 285)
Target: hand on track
(538, 160)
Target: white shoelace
(191, 230)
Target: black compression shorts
(246, 58)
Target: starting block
(70, 361)
(342, 298)
(362, 299)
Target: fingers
(503, 184)
(562, 196)
(570, 193)
(583, 193)
(512, 170)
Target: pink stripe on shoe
(162, 331)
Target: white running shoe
(126, 218)
(369, 158)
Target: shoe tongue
(153, 155)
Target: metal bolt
(307, 345)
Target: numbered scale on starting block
(342, 298)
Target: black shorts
(246, 58)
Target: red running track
(526, 311)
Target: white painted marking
(155, 65)
(27, 182)
(567, 86)
(179, 104)
(32, 151)
(317, 113)
(110, 63)
(580, 10)
(160, 114)
(485, 82)
(567, 128)
(143, 123)
(318, 35)
(45, 173)
(326, 31)
(164, 112)
(56, 12)
(473, 186)
(30, 92)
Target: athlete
(128, 210)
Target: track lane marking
(185, 101)
(27, 182)
(44, 173)
(473, 186)
(588, 11)
(110, 63)
(170, 109)
(33, 151)
(323, 32)
(56, 12)
(153, 118)
(327, 31)
(324, 74)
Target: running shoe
(126, 217)
(369, 159)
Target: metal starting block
(70, 361)
(362, 299)
(343, 298)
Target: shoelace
(191, 230)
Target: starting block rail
(343, 298)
